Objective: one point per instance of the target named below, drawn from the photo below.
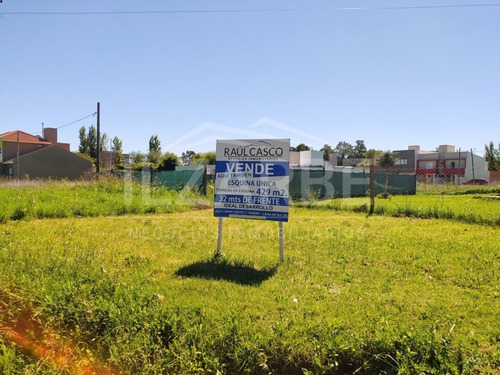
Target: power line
(277, 10)
(71, 123)
(153, 12)
(424, 7)
(74, 122)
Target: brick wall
(494, 177)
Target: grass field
(469, 208)
(26, 200)
(142, 294)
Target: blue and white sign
(251, 179)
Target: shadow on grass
(233, 271)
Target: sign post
(219, 238)
(282, 248)
(251, 181)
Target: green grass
(108, 196)
(355, 294)
(451, 189)
(470, 208)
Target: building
(306, 159)
(107, 159)
(445, 165)
(23, 154)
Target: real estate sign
(251, 179)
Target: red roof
(23, 137)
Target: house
(306, 159)
(445, 165)
(23, 154)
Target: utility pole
(472, 161)
(17, 157)
(98, 161)
(372, 185)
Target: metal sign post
(251, 182)
(282, 247)
(219, 239)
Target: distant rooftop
(23, 137)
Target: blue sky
(393, 73)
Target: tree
(154, 144)
(372, 153)
(117, 148)
(187, 157)
(92, 141)
(343, 150)
(168, 162)
(83, 148)
(300, 147)
(88, 142)
(386, 160)
(359, 151)
(327, 150)
(137, 157)
(154, 157)
(492, 156)
(204, 158)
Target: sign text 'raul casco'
(251, 179)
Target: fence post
(372, 185)
(205, 179)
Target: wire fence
(344, 182)
(306, 184)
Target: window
(401, 162)
(426, 164)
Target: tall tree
(117, 148)
(92, 141)
(88, 142)
(327, 150)
(154, 154)
(154, 144)
(154, 157)
(83, 148)
(300, 147)
(492, 156)
(359, 151)
(343, 150)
